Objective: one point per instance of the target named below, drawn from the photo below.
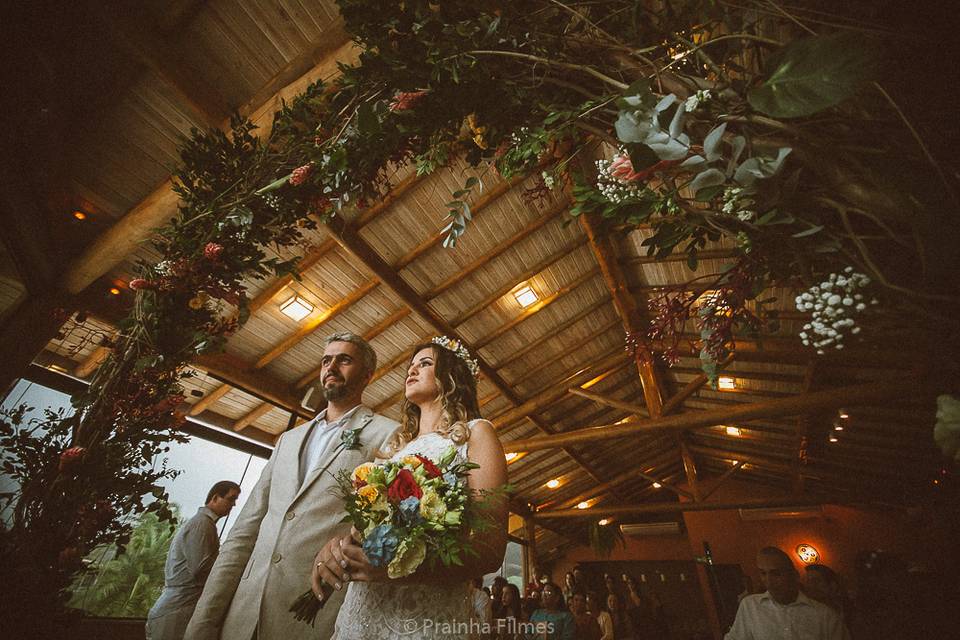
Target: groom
(267, 559)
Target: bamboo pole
(676, 507)
(794, 405)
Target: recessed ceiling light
(583, 505)
(734, 431)
(657, 485)
(734, 462)
(296, 308)
(838, 427)
(843, 414)
(79, 215)
(114, 291)
(511, 456)
(525, 296)
(726, 383)
(604, 522)
(553, 484)
(834, 438)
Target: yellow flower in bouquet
(368, 493)
(412, 461)
(360, 473)
(432, 507)
(409, 556)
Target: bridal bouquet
(405, 512)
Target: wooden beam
(723, 478)
(609, 402)
(793, 405)
(237, 373)
(689, 468)
(553, 332)
(252, 416)
(692, 387)
(465, 271)
(625, 306)
(555, 392)
(209, 400)
(136, 227)
(665, 485)
(675, 507)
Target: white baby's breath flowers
(833, 304)
(548, 180)
(734, 202)
(614, 189)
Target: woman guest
(510, 613)
(553, 621)
(587, 627)
(614, 622)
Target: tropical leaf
(815, 73)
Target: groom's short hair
(367, 354)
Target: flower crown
(460, 351)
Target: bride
(439, 410)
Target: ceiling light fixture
(526, 296)
(726, 383)
(657, 485)
(604, 522)
(79, 215)
(843, 414)
(734, 431)
(296, 308)
(834, 438)
(114, 291)
(511, 456)
(553, 484)
(583, 505)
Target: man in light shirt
(191, 556)
(267, 560)
(783, 611)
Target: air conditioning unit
(651, 529)
(781, 513)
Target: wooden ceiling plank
(677, 507)
(209, 400)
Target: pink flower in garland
(300, 175)
(71, 457)
(212, 251)
(406, 100)
(141, 284)
(622, 169)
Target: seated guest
(586, 624)
(496, 595)
(783, 611)
(557, 623)
(570, 586)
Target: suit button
(276, 558)
(291, 515)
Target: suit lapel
(360, 419)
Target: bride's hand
(358, 566)
(330, 566)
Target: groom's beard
(337, 389)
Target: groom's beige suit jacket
(266, 561)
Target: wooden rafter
(134, 228)
(792, 405)
(723, 478)
(675, 507)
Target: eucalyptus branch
(554, 63)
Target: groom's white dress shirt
(321, 433)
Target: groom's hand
(330, 567)
(358, 566)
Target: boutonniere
(350, 439)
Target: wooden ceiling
(121, 93)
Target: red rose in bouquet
(433, 471)
(403, 486)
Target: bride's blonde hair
(457, 392)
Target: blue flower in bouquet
(380, 545)
(451, 479)
(410, 511)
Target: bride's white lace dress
(411, 611)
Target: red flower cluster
(300, 175)
(141, 284)
(212, 251)
(71, 457)
(403, 486)
(432, 470)
(405, 100)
